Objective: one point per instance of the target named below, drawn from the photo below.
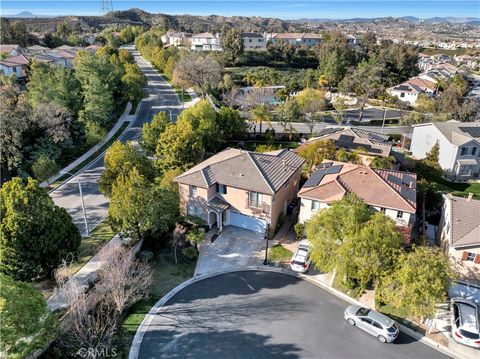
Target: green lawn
(90, 245)
(458, 189)
(185, 97)
(279, 253)
(166, 276)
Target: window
(366, 320)
(194, 211)
(470, 257)
(402, 94)
(221, 188)
(315, 205)
(376, 325)
(255, 199)
(193, 191)
(14, 69)
(463, 151)
(474, 150)
(382, 209)
(399, 214)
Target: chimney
(470, 196)
(410, 185)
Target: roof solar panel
(334, 169)
(472, 131)
(315, 178)
(324, 165)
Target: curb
(137, 340)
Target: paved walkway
(235, 247)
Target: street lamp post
(170, 113)
(265, 261)
(83, 203)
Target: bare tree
(197, 71)
(178, 238)
(124, 279)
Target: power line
(106, 6)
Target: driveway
(253, 314)
(235, 247)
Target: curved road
(255, 314)
(160, 96)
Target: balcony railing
(258, 205)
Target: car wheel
(382, 339)
(351, 321)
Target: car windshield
(300, 263)
(392, 329)
(469, 335)
(363, 312)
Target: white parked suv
(465, 320)
(300, 261)
(373, 322)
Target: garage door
(247, 222)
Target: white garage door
(247, 222)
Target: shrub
(190, 253)
(299, 229)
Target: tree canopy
(35, 234)
(151, 132)
(27, 324)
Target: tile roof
(465, 221)
(260, 172)
(380, 188)
(204, 35)
(7, 48)
(457, 132)
(351, 138)
(14, 61)
(252, 34)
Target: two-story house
(459, 234)
(172, 38)
(253, 41)
(390, 192)
(350, 139)
(412, 88)
(14, 65)
(459, 144)
(206, 42)
(241, 188)
(9, 49)
(296, 39)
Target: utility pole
(87, 232)
(106, 6)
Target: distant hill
(189, 23)
(433, 20)
(26, 15)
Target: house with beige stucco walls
(388, 191)
(459, 235)
(241, 188)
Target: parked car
(373, 322)
(300, 261)
(465, 321)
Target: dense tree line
(64, 111)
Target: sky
(284, 9)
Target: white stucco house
(14, 65)
(253, 41)
(206, 42)
(388, 191)
(459, 144)
(178, 39)
(459, 235)
(411, 89)
(9, 49)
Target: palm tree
(261, 114)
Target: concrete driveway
(235, 247)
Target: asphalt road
(254, 314)
(160, 96)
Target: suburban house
(459, 234)
(296, 38)
(14, 65)
(177, 39)
(241, 188)
(459, 143)
(35, 49)
(388, 191)
(253, 41)
(352, 40)
(9, 50)
(50, 57)
(411, 89)
(374, 144)
(206, 42)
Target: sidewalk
(125, 117)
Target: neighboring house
(35, 49)
(388, 191)
(172, 38)
(459, 234)
(253, 41)
(9, 50)
(375, 144)
(14, 65)
(459, 143)
(296, 38)
(411, 89)
(206, 42)
(472, 62)
(352, 40)
(50, 57)
(241, 188)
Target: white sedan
(300, 261)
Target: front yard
(166, 276)
(279, 253)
